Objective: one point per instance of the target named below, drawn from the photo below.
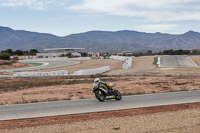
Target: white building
(57, 52)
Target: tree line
(5, 55)
(9, 52)
(21, 52)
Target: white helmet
(97, 80)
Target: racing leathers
(105, 85)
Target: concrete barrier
(41, 74)
(158, 62)
(92, 71)
(127, 61)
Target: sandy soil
(174, 118)
(4, 62)
(196, 59)
(179, 118)
(140, 64)
(14, 65)
(90, 64)
(127, 85)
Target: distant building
(124, 54)
(119, 54)
(22, 57)
(128, 54)
(58, 52)
(94, 54)
(76, 54)
(48, 55)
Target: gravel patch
(174, 118)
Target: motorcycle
(102, 93)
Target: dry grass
(64, 89)
(10, 84)
(10, 64)
(5, 62)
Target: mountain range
(103, 41)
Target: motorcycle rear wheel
(100, 95)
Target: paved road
(46, 65)
(22, 111)
(177, 61)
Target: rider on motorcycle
(102, 83)
(104, 91)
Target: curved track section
(46, 65)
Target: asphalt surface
(46, 65)
(175, 61)
(35, 110)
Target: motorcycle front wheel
(118, 95)
(100, 95)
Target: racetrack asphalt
(68, 107)
(175, 61)
(46, 65)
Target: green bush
(69, 55)
(5, 56)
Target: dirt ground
(142, 78)
(6, 64)
(90, 64)
(159, 81)
(82, 88)
(196, 59)
(173, 119)
(140, 64)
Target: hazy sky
(64, 17)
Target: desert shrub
(5, 56)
